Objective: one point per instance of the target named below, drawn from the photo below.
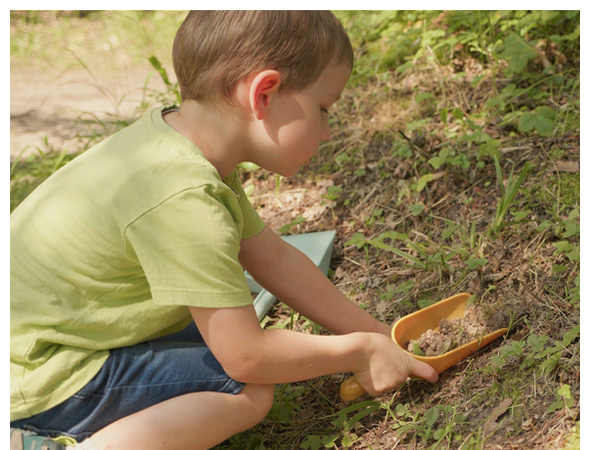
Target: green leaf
(565, 391)
(537, 342)
(490, 148)
(517, 53)
(527, 122)
(417, 350)
(424, 179)
(393, 235)
(249, 189)
(571, 229)
(476, 80)
(416, 210)
(431, 416)
(424, 303)
(312, 442)
(405, 66)
(496, 102)
(436, 162)
(574, 254)
(333, 193)
(401, 410)
(348, 440)
(542, 119)
(329, 441)
(473, 264)
(550, 363)
(563, 399)
(423, 96)
(545, 121)
(439, 434)
(562, 247)
(570, 336)
(457, 113)
(255, 442)
(418, 124)
(297, 221)
(545, 111)
(508, 194)
(357, 239)
(520, 215)
(361, 415)
(383, 246)
(155, 62)
(544, 225)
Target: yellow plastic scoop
(415, 324)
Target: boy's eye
(324, 110)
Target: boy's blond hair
(214, 50)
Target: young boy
(150, 230)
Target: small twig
(412, 144)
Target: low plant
(507, 194)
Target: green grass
(573, 439)
(104, 41)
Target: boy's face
(298, 121)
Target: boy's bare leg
(197, 420)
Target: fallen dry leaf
(568, 166)
(491, 424)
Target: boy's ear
(263, 88)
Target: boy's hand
(388, 366)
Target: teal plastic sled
(317, 246)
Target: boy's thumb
(422, 370)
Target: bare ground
(47, 110)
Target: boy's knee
(265, 394)
(261, 398)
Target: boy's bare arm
(251, 354)
(293, 278)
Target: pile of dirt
(474, 325)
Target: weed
(507, 194)
(563, 400)
(172, 94)
(287, 228)
(285, 405)
(573, 439)
(542, 119)
(26, 175)
(535, 353)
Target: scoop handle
(351, 390)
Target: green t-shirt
(111, 249)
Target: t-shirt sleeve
(188, 248)
(253, 224)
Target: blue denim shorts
(133, 379)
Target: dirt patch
(451, 334)
(52, 110)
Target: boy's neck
(216, 131)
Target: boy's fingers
(423, 370)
